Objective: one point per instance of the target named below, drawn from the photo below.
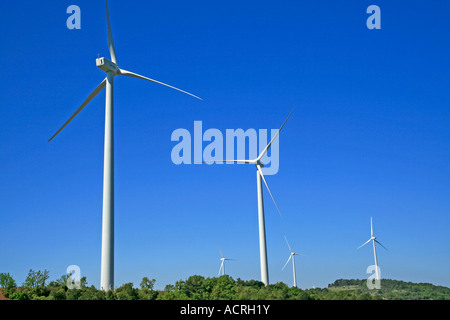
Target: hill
(392, 289)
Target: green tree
(7, 281)
(110, 295)
(147, 292)
(58, 294)
(73, 294)
(169, 293)
(147, 284)
(60, 283)
(19, 295)
(223, 289)
(8, 284)
(193, 287)
(127, 292)
(36, 279)
(34, 284)
(91, 293)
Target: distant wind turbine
(373, 239)
(222, 264)
(292, 256)
(112, 69)
(261, 221)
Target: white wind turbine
(222, 264)
(292, 256)
(373, 239)
(112, 69)
(261, 221)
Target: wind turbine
(112, 69)
(373, 239)
(261, 221)
(292, 256)
(222, 264)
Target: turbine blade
(288, 244)
(220, 269)
(371, 227)
(364, 243)
(112, 49)
(287, 262)
(380, 244)
(273, 139)
(135, 75)
(220, 251)
(265, 182)
(230, 161)
(91, 96)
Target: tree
(60, 283)
(19, 295)
(110, 295)
(127, 292)
(147, 284)
(73, 294)
(224, 288)
(36, 279)
(34, 284)
(193, 287)
(91, 293)
(147, 292)
(58, 294)
(7, 281)
(8, 284)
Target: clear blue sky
(370, 136)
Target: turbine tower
(292, 256)
(112, 69)
(261, 221)
(373, 239)
(222, 264)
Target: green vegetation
(198, 287)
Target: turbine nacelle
(107, 66)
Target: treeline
(37, 287)
(225, 288)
